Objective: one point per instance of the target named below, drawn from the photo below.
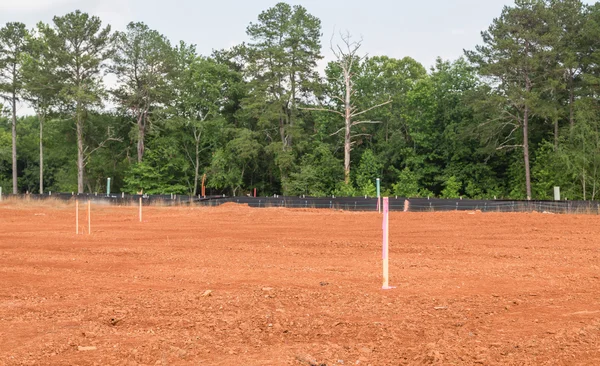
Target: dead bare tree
(347, 57)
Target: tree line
(513, 118)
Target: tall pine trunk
(348, 122)
(571, 101)
(14, 143)
(526, 152)
(197, 165)
(41, 119)
(282, 129)
(292, 110)
(80, 158)
(141, 136)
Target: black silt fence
(338, 203)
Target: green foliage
(407, 185)
(281, 65)
(368, 171)
(547, 164)
(5, 155)
(368, 189)
(345, 190)
(233, 163)
(452, 188)
(319, 172)
(159, 172)
(251, 116)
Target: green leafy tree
(142, 62)
(13, 46)
(452, 188)
(344, 189)
(81, 46)
(318, 174)
(161, 170)
(391, 141)
(281, 63)
(232, 163)
(368, 171)
(407, 185)
(5, 150)
(41, 85)
(513, 57)
(202, 90)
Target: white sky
(422, 29)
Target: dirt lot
(240, 286)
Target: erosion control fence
(338, 203)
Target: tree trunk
(282, 130)
(292, 110)
(14, 143)
(348, 122)
(141, 136)
(80, 158)
(41, 118)
(571, 101)
(583, 182)
(197, 166)
(594, 183)
(555, 133)
(583, 169)
(526, 152)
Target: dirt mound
(232, 206)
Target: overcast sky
(422, 29)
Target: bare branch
(338, 131)
(508, 147)
(363, 122)
(339, 98)
(322, 110)
(370, 109)
(331, 46)
(100, 146)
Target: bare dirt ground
(240, 286)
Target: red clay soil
(240, 286)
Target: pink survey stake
(386, 239)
